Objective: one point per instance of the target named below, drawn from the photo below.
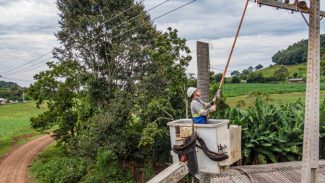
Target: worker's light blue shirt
(199, 113)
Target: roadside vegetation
(15, 123)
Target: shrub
(255, 78)
(235, 79)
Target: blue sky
(27, 28)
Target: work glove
(217, 97)
(212, 108)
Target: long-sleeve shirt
(198, 108)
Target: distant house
(296, 80)
(243, 81)
(3, 101)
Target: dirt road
(13, 168)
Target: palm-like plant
(270, 133)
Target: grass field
(15, 123)
(233, 90)
(299, 68)
(248, 100)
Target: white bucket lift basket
(218, 136)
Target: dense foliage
(296, 53)
(270, 133)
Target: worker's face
(197, 93)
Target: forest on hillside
(296, 53)
(11, 91)
(4, 84)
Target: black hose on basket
(188, 150)
(212, 155)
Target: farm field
(284, 98)
(233, 90)
(15, 123)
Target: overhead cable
(120, 14)
(28, 62)
(30, 67)
(127, 21)
(162, 15)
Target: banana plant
(270, 133)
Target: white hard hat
(190, 91)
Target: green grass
(233, 90)
(299, 68)
(278, 99)
(15, 123)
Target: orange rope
(232, 48)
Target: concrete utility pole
(203, 66)
(311, 126)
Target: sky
(28, 27)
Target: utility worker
(199, 109)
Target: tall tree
(282, 73)
(235, 73)
(100, 54)
(114, 79)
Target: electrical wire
(162, 15)
(28, 68)
(120, 14)
(28, 62)
(127, 21)
(44, 64)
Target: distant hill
(10, 90)
(4, 84)
(296, 53)
(300, 69)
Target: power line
(127, 21)
(37, 66)
(23, 69)
(120, 14)
(28, 62)
(150, 9)
(162, 15)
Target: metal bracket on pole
(303, 16)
